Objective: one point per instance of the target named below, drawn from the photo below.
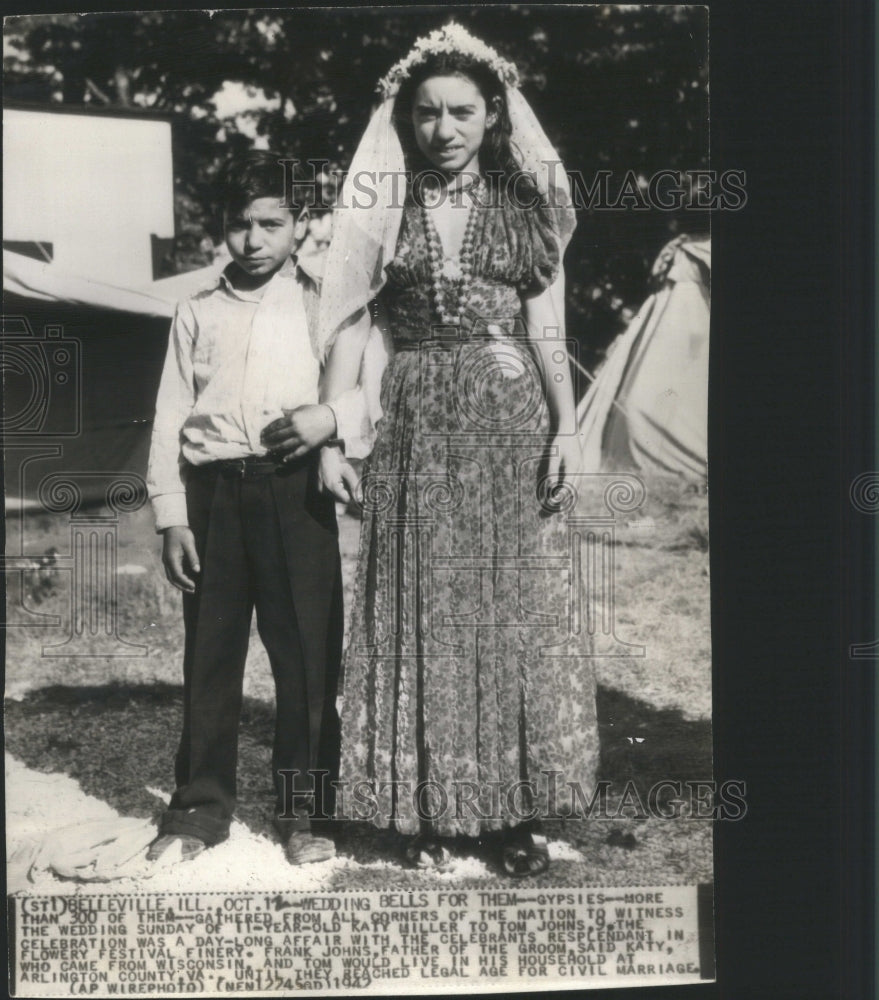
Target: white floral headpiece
(451, 39)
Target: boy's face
(261, 236)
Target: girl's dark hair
(497, 158)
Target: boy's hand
(179, 557)
(299, 431)
(338, 477)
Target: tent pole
(591, 378)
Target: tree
(619, 88)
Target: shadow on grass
(646, 745)
(118, 740)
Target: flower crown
(450, 39)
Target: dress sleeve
(539, 250)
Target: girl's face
(450, 118)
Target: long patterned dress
(467, 699)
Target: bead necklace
(459, 271)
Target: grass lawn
(112, 723)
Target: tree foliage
(619, 88)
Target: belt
(252, 467)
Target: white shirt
(236, 360)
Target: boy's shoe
(190, 847)
(303, 848)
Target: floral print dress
(468, 701)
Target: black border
(792, 315)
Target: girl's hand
(565, 461)
(336, 476)
(299, 431)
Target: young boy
(246, 527)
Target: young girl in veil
(468, 707)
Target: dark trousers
(270, 543)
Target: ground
(90, 738)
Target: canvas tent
(88, 197)
(26, 278)
(112, 339)
(647, 409)
(92, 187)
(91, 353)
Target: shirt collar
(289, 269)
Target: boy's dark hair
(260, 173)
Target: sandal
(425, 852)
(524, 853)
